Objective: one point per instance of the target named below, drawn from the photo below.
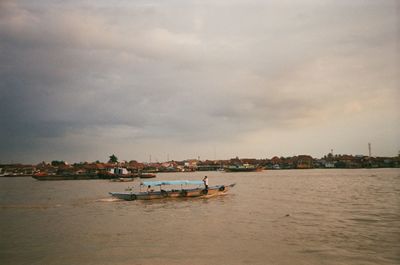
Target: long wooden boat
(122, 179)
(107, 175)
(186, 190)
(44, 176)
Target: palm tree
(113, 159)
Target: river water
(270, 217)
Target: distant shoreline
(115, 169)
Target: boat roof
(172, 182)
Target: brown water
(270, 217)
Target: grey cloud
(187, 72)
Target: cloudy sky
(81, 80)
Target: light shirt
(205, 181)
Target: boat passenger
(149, 189)
(205, 180)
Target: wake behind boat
(187, 188)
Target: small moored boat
(188, 188)
(122, 179)
(242, 168)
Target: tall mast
(369, 150)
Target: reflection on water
(270, 217)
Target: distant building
(329, 164)
(304, 162)
(118, 171)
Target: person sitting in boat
(205, 180)
(149, 189)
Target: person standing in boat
(205, 180)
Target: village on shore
(133, 166)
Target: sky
(182, 79)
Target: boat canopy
(172, 182)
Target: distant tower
(369, 149)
